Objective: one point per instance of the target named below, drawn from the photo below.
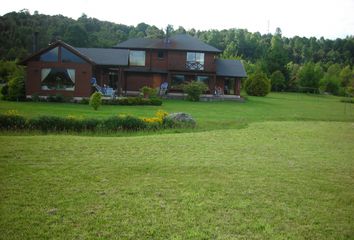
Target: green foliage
(56, 98)
(194, 89)
(132, 101)
(11, 120)
(123, 123)
(278, 81)
(310, 75)
(13, 76)
(331, 82)
(16, 89)
(346, 76)
(148, 92)
(96, 100)
(258, 84)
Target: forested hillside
(287, 61)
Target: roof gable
(54, 45)
(176, 42)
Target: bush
(347, 100)
(257, 84)
(35, 97)
(133, 101)
(125, 123)
(16, 89)
(47, 123)
(194, 89)
(96, 100)
(148, 92)
(330, 84)
(84, 101)
(11, 120)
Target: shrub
(347, 100)
(257, 84)
(194, 89)
(126, 123)
(148, 92)
(11, 120)
(48, 123)
(16, 89)
(133, 101)
(330, 83)
(35, 97)
(96, 100)
(84, 101)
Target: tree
(278, 81)
(310, 75)
(331, 82)
(346, 76)
(153, 32)
(76, 35)
(258, 84)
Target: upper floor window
(195, 61)
(137, 58)
(160, 54)
(50, 56)
(67, 56)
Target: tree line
(292, 64)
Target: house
(130, 65)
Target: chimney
(35, 42)
(167, 38)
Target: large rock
(180, 119)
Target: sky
(328, 18)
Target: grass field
(288, 175)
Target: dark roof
(176, 42)
(106, 56)
(230, 68)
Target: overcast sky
(329, 18)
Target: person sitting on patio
(163, 88)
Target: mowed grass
(211, 115)
(279, 167)
(272, 180)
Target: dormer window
(195, 61)
(137, 58)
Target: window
(195, 61)
(58, 79)
(203, 79)
(67, 56)
(160, 54)
(137, 58)
(177, 82)
(50, 56)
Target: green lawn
(213, 115)
(288, 174)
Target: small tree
(194, 89)
(16, 89)
(96, 100)
(257, 85)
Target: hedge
(14, 122)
